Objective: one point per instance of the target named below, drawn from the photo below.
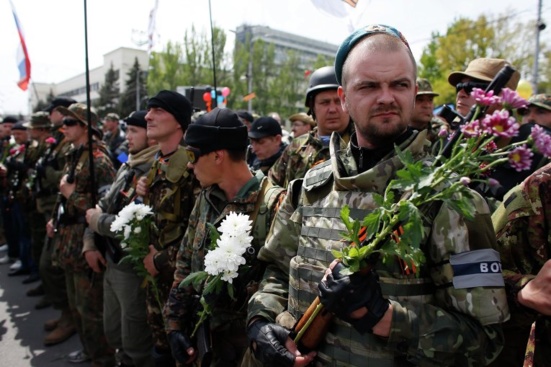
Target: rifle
(496, 85)
(59, 209)
(122, 198)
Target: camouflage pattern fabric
(67, 243)
(228, 318)
(434, 323)
(49, 169)
(172, 192)
(303, 153)
(522, 225)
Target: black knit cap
(137, 118)
(218, 129)
(10, 119)
(174, 103)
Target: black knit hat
(218, 129)
(59, 101)
(174, 103)
(137, 118)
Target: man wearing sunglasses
(216, 145)
(170, 189)
(479, 74)
(84, 291)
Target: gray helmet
(321, 79)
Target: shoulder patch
(318, 176)
(477, 268)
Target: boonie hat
(424, 88)
(484, 69)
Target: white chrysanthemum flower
(236, 224)
(127, 231)
(234, 245)
(142, 211)
(118, 224)
(138, 230)
(124, 245)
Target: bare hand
(148, 261)
(66, 188)
(50, 230)
(142, 188)
(90, 213)
(95, 260)
(301, 360)
(537, 293)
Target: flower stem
(319, 307)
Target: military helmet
(321, 79)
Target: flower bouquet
(222, 263)
(132, 226)
(395, 229)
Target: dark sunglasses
(193, 154)
(70, 122)
(469, 86)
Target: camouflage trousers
(85, 295)
(53, 278)
(155, 303)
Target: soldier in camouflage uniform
(217, 144)
(6, 144)
(447, 312)
(49, 170)
(170, 188)
(39, 130)
(538, 110)
(422, 117)
(124, 312)
(523, 227)
(309, 149)
(84, 287)
(18, 203)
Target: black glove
(179, 344)
(344, 294)
(270, 343)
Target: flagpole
(215, 103)
(88, 110)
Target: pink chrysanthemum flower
(471, 129)
(500, 124)
(520, 158)
(485, 99)
(542, 140)
(50, 140)
(491, 147)
(511, 99)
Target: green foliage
(109, 94)
(132, 99)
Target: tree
(109, 94)
(133, 96)
(465, 39)
(41, 105)
(165, 69)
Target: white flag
(151, 28)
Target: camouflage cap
(39, 120)
(424, 88)
(484, 69)
(112, 117)
(348, 44)
(541, 100)
(301, 116)
(79, 111)
(538, 100)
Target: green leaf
(195, 279)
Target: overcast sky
(54, 29)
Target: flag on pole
(348, 10)
(151, 28)
(23, 60)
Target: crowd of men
(61, 191)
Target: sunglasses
(469, 86)
(193, 154)
(70, 122)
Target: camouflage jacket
(68, 243)
(523, 226)
(303, 153)
(172, 193)
(438, 319)
(139, 164)
(212, 207)
(49, 169)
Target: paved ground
(21, 328)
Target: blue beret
(350, 42)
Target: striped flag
(23, 61)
